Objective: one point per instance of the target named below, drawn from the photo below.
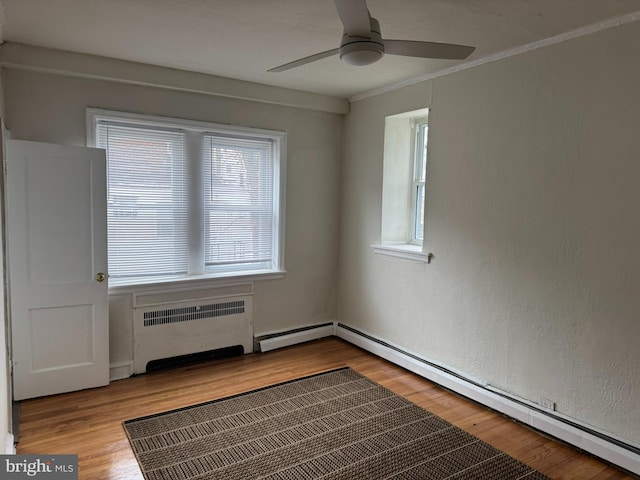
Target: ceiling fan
(362, 43)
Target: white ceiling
(242, 39)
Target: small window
(404, 185)
(189, 199)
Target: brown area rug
(333, 425)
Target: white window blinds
(188, 199)
(147, 200)
(239, 204)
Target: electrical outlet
(546, 403)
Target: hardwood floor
(89, 423)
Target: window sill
(406, 251)
(209, 279)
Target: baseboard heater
(604, 446)
(272, 341)
(186, 330)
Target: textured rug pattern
(335, 425)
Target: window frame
(194, 130)
(420, 135)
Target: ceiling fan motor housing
(362, 50)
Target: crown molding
(39, 59)
(563, 37)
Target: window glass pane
(419, 207)
(239, 203)
(422, 171)
(147, 208)
(419, 175)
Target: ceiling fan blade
(305, 60)
(409, 48)
(354, 15)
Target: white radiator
(210, 319)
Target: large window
(189, 199)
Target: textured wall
(51, 108)
(532, 215)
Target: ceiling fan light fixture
(361, 53)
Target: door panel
(59, 250)
(56, 229)
(52, 346)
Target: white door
(57, 255)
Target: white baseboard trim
(120, 370)
(10, 446)
(500, 401)
(288, 339)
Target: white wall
(51, 108)
(532, 215)
(5, 379)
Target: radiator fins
(186, 314)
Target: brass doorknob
(100, 276)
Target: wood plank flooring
(89, 423)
